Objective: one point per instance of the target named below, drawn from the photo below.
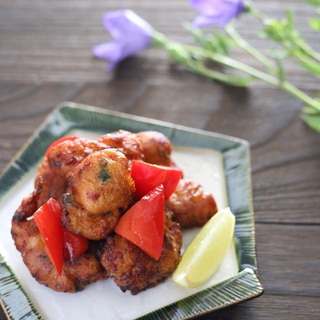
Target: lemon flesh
(204, 255)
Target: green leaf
(310, 110)
(290, 20)
(280, 31)
(215, 42)
(313, 121)
(273, 30)
(314, 24)
(310, 66)
(222, 43)
(315, 3)
(178, 53)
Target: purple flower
(219, 12)
(130, 32)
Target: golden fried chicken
(156, 148)
(124, 141)
(75, 275)
(134, 270)
(149, 146)
(191, 205)
(101, 191)
(56, 169)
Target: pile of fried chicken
(92, 207)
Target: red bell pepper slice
(74, 245)
(60, 243)
(47, 219)
(143, 223)
(148, 176)
(58, 141)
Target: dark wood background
(45, 58)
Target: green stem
(201, 69)
(227, 61)
(194, 51)
(303, 46)
(251, 50)
(295, 39)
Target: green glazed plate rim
(69, 116)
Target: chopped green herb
(67, 198)
(103, 174)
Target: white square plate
(220, 163)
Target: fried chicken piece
(191, 205)
(156, 148)
(101, 191)
(149, 146)
(134, 270)
(124, 141)
(75, 275)
(55, 171)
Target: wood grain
(52, 40)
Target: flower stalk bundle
(132, 34)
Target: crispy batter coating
(192, 206)
(124, 141)
(156, 148)
(149, 146)
(55, 171)
(75, 275)
(101, 191)
(134, 270)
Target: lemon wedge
(203, 257)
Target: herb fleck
(103, 174)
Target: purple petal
(109, 51)
(219, 12)
(130, 32)
(202, 21)
(208, 7)
(123, 23)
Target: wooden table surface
(45, 58)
